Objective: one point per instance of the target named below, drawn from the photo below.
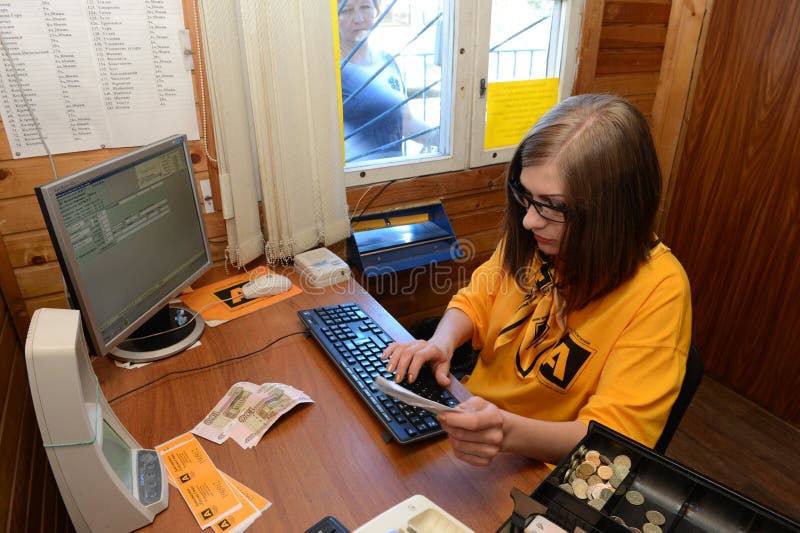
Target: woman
(581, 313)
(375, 117)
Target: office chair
(691, 380)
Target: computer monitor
(129, 236)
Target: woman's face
(355, 20)
(544, 184)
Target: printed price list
(93, 74)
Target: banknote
(262, 409)
(401, 393)
(222, 417)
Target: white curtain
(237, 172)
(293, 128)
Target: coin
(566, 487)
(597, 504)
(634, 497)
(593, 456)
(623, 460)
(650, 528)
(654, 517)
(579, 488)
(605, 472)
(585, 469)
(593, 480)
(620, 470)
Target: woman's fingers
(407, 358)
(476, 432)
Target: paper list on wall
(95, 73)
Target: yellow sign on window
(512, 108)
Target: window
(415, 76)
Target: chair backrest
(691, 380)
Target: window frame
(469, 62)
(566, 40)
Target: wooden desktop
(325, 458)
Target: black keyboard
(355, 343)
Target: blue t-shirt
(383, 93)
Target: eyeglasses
(553, 213)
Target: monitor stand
(143, 348)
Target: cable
(200, 64)
(205, 367)
(353, 212)
(188, 322)
(252, 275)
(373, 198)
(15, 74)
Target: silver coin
(580, 488)
(566, 487)
(634, 497)
(597, 504)
(654, 517)
(623, 460)
(593, 480)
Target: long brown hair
(602, 148)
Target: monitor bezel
(73, 280)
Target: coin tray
(688, 501)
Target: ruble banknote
(222, 417)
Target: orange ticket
(238, 520)
(253, 504)
(209, 496)
(261, 503)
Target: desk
(318, 459)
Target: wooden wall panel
(621, 48)
(682, 51)
(733, 221)
(24, 470)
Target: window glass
(519, 41)
(392, 71)
(520, 76)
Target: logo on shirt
(540, 328)
(562, 363)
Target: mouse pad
(223, 300)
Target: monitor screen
(129, 236)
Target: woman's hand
(476, 431)
(407, 358)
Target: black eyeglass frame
(526, 201)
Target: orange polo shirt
(619, 361)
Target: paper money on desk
(403, 394)
(223, 415)
(262, 409)
(247, 411)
